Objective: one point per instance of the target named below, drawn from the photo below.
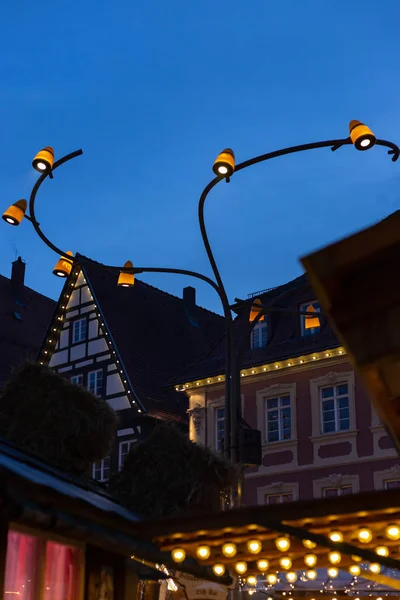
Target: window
(344, 490)
(392, 485)
(21, 576)
(278, 498)
(63, 572)
(95, 382)
(310, 324)
(259, 335)
(278, 419)
(77, 379)
(101, 469)
(219, 429)
(79, 331)
(335, 408)
(124, 448)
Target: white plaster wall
(93, 329)
(119, 403)
(78, 351)
(64, 338)
(114, 384)
(97, 346)
(86, 295)
(58, 358)
(73, 299)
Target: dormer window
(310, 323)
(259, 335)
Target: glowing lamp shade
(219, 569)
(310, 560)
(203, 552)
(392, 532)
(44, 160)
(15, 213)
(309, 544)
(364, 535)
(252, 580)
(272, 579)
(310, 322)
(282, 543)
(241, 567)
(382, 550)
(361, 135)
(255, 310)
(262, 564)
(375, 568)
(229, 550)
(178, 555)
(311, 575)
(354, 570)
(333, 572)
(126, 279)
(285, 562)
(336, 536)
(224, 164)
(63, 266)
(334, 557)
(291, 576)
(254, 546)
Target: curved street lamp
(224, 167)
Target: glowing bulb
(254, 546)
(333, 572)
(285, 562)
(252, 580)
(364, 535)
(229, 550)
(382, 551)
(241, 567)
(356, 559)
(219, 569)
(203, 552)
(309, 544)
(354, 570)
(375, 568)
(272, 579)
(334, 557)
(365, 143)
(291, 576)
(282, 543)
(41, 166)
(336, 536)
(222, 170)
(262, 564)
(392, 532)
(251, 591)
(310, 560)
(311, 575)
(178, 555)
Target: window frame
(79, 375)
(98, 395)
(121, 455)
(102, 469)
(338, 489)
(279, 495)
(76, 322)
(331, 378)
(259, 331)
(314, 330)
(216, 420)
(273, 391)
(280, 408)
(336, 408)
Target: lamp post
(224, 167)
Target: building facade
(320, 435)
(125, 344)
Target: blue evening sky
(153, 90)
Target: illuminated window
(344, 490)
(394, 484)
(278, 498)
(95, 382)
(102, 469)
(124, 448)
(219, 429)
(79, 331)
(310, 324)
(335, 414)
(278, 419)
(259, 335)
(77, 379)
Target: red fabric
(63, 568)
(20, 576)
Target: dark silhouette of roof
(284, 332)
(157, 335)
(24, 317)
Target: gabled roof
(284, 333)
(22, 325)
(156, 335)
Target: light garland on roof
(261, 369)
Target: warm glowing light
(311, 321)
(282, 543)
(310, 560)
(44, 160)
(241, 567)
(356, 559)
(254, 546)
(361, 135)
(262, 564)
(392, 532)
(334, 557)
(203, 552)
(336, 536)
(178, 555)
(251, 591)
(311, 575)
(354, 570)
(291, 576)
(252, 580)
(364, 535)
(375, 568)
(219, 569)
(272, 579)
(63, 266)
(309, 544)
(224, 164)
(15, 213)
(126, 279)
(285, 562)
(382, 550)
(229, 550)
(333, 572)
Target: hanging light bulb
(251, 591)
(334, 557)
(364, 535)
(252, 580)
(375, 568)
(219, 569)
(203, 552)
(392, 532)
(282, 543)
(382, 550)
(241, 567)
(285, 562)
(262, 564)
(272, 579)
(291, 576)
(126, 279)
(336, 536)
(229, 549)
(310, 560)
(354, 570)
(254, 546)
(178, 555)
(333, 572)
(309, 544)
(311, 575)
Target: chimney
(189, 298)
(18, 279)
